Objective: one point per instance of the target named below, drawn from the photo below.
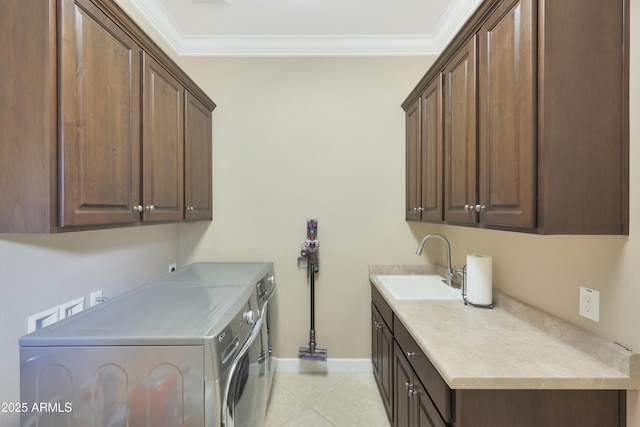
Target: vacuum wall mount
(309, 258)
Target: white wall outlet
(95, 298)
(69, 308)
(590, 303)
(173, 267)
(42, 319)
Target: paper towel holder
(464, 291)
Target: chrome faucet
(450, 269)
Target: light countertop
(513, 346)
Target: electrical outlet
(172, 267)
(95, 298)
(72, 307)
(590, 303)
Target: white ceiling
(306, 27)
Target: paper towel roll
(479, 279)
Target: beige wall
(309, 138)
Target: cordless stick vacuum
(309, 255)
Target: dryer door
(245, 393)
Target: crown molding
(305, 45)
(308, 46)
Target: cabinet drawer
(437, 388)
(383, 307)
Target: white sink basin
(417, 287)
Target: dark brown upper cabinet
(162, 144)
(536, 133)
(460, 135)
(93, 118)
(425, 155)
(507, 112)
(197, 163)
(413, 208)
(99, 118)
(431, 150)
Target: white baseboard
(330, 365)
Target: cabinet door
(386, 367)
(162, 144)
(426, 414)
(461, 136)
(431, 152)
(403, 379)
(198, 140)
(507, 90)
(382, 358)
(375, 344)
(99, 139)
(414, 167)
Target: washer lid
(150, 315)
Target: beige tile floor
(325, 400)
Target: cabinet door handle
(190, 209)
(378, 325)
(150, 208)
(419, 209)
(412, 354)
(410, 390)
(138, 208)
(480, 208)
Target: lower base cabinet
(381, 357)
(415, 395)
(412, 404)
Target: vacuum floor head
(317, 354)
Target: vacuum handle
(312, 229)
(311, 245)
